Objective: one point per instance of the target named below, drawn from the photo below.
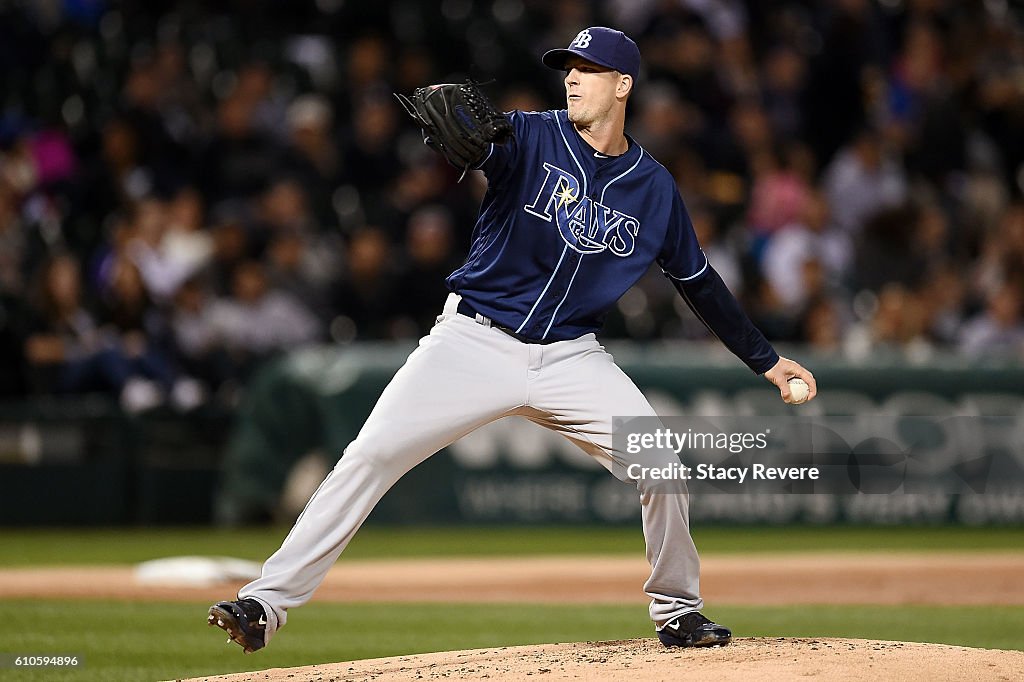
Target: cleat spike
(244, 621)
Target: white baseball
(798, 390)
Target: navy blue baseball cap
(604, 46)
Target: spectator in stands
(900, 318)
(431, 257)
(199, 347)
(371, 149)
(887, 251)
(768, 312)
(863, 180)
(202, 148)
(368, 297)
(283, 206)
(721, 253)
(1002, 253)
(67, 352)
(807, 258)
(664, 120)
(231, 247)
(240, 159)
(422, 182)
(306, 267)
(998, 332)
(187, 245)
(784, 77)
(257, 322)
(315, 158)
(782, 187)
(256, 85)
(943, 293)
(14, 246)
(180, 99)
(822, 325)
(128, 317)
(739, 154)
(142, 107)
(166, 243)
(116, 176)
(126, 313)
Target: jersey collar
(585, 151)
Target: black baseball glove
(457, 120)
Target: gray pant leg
(674, 583)
(456, 381)
(578, 391)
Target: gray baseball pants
(464, 375)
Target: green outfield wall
(85, 462)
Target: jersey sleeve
(502, 158)
(681, 257)
(715, 306)
(685, 264)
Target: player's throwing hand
(784, 370)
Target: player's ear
(625, 85)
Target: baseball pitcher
(575, 213)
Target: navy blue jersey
(564, 231)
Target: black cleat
(244, 620)
(693, 629)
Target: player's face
(590, 91)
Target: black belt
(467, 310)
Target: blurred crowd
(188, 188)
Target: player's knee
(380, 455)
(657, 475)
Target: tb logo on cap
(582, 40)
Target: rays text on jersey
(586, 225)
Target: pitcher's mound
(645, 659)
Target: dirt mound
(645, 659)
(763, 579)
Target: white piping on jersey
(583, 174)
(694, 275)
(622, 174)
(508, 235)
(689, 303)
(489, 152)
(477, 253)
(546, 286)
(573, 278)
(567, 290)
